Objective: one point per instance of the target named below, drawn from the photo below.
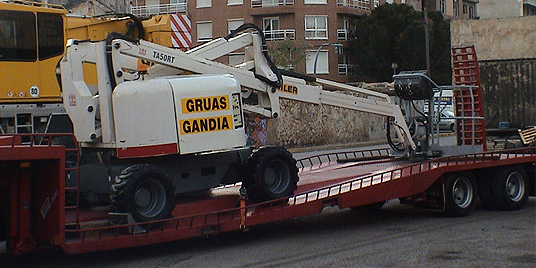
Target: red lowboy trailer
(38, 210)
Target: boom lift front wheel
(460, 194)
(145, 192)
(272, 174)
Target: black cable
(394, 146)
(415, 107)
(137, 23)
(112, 36)
(248, 26)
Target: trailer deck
(346, 180)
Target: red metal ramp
(469, 100)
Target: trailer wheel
(272, 174)
(509, 188)
(460, 194)
(143, 191)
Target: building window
(315, 2)
(232, 24)
(443, 6)
(464, 9)
(204, 3)
(235, 2)
(316, 27)
(322, 63)
(270, 27)
(204, 31)
(456, 8)
(471, 13)
(270, 24)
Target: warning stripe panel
(181, 36)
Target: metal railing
(343, 34)
(144, 11)
(320, 160)
(271, 3)
(72, 159)
(347, 69)
(278, 35)
(361, 4)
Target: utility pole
(426, 38)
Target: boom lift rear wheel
(272, 174)
(460, 194)
(145, 192)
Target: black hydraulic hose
(137, 23)
(394, 146)
(247, 26)
(415, 107)
(112, 36)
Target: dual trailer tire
(460, 194)
(505, 188)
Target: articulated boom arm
(256, 75)
(200, 61)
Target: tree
(395, 34)
(287, 54)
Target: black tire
(370, 208)
(460, 194)
(272, 174)
(509, 188)
(145, 192)
(452, 127)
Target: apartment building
(491, 9)
(453, 9)
(325, 27)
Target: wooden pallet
(528, 136)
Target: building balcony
(271, 3)
(343, 34)
(144, 11)
(361, 4)
(278, 35)
(347, 69)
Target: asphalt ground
(396, 236)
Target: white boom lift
(178, 127)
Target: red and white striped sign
(181, 36)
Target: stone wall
(497, 39)
(305, 125)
